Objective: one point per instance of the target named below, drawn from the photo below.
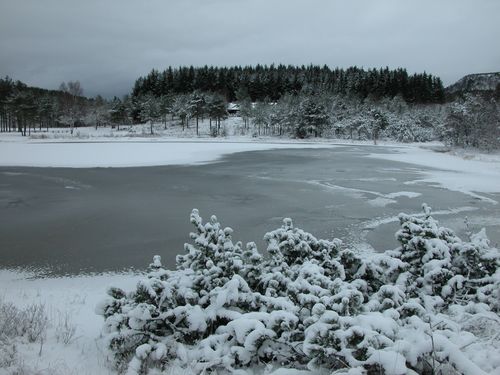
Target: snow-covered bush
(65, 329)
(407, 129)
(19, 325)
(473, 121)
(422, 307)
(443, 266)
(30, 322)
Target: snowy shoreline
(126, 154)
(452, 171)
(465, 171)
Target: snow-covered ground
(465, 172)
(76, 297)
(129, 147)
(126, 154)
(70, 302)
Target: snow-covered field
(76, 297)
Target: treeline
(467, 120)
(25, 109)
(264, 83)
(28, 109)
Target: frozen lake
(104, 219)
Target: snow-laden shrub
(30, 322)
(65, 329)
(443, 266)
(312, 303)
(18, 326)
(407, 128)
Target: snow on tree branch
(312, 303)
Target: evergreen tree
(165, 107)
(150, 110)
(216, 108)
(180, 109)
(260, 114)
(118, 112)
(262, 81)
(312, 118)
(310, 302)
(197, 108)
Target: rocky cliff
(475, 82)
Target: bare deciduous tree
(74, 90)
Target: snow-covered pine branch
(313, 303)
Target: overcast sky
(107, 44)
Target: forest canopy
(271, 82)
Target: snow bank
(475, 174)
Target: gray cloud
(107, 44)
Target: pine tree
(312, 118)
(216, 107)
(150, 110)
(197, 104)
(273, 82)
(310, 302)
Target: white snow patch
(382, 199)
(77, 296)
(376, 179)
(127, 154)
(479, 174)
(380, 202)
(374, 223)
(408, 194)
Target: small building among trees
(233, 109)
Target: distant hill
(482, 82)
